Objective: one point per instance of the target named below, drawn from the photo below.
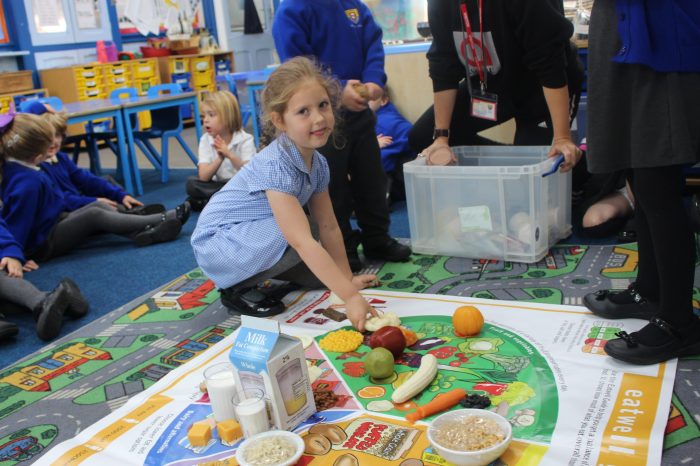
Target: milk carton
(266, 359)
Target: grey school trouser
(91, 219)
(19, 291)
(289, 268)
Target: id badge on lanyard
(483, 104)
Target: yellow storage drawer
(89, 82)
(5, 104)
(202, 78)
(143, 85)
(142, 69)
(122, 80)
(201, 64)
(179, 65)
(144, 120)
(117, 69)
(88, 72)
(88, 93)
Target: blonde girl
(255, 227)
(223, 149)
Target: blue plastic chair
(54, 102)
(230, 84)
(166, 123)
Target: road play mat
(540, 365)
(55, 394)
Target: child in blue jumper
(47, 308)
(392, 135)
(255, 227)
(35, 208)
(79, 186)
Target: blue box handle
(558, 160)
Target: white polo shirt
(242, 144)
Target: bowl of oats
(470, 437)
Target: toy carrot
(441, 402)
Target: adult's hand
(572, 154)
(351, 99)
(438, 144)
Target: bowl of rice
(470, 437)
(273, 448)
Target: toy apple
(391, 338)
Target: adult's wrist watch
(438, 133)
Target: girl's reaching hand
(365, 281)
(13, 266)
(357, 309)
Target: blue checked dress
(237, 235)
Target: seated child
(602, 203)
(79, 186)
(47, 308)
(392, 135)
(255, 227)
(35, 208)
(223, 149)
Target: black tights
(666, 244)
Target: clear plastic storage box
(494, 204)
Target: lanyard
(470, 40)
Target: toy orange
(409, 335)
(467, 321)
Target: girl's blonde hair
(58, 122)
(284, 82)
(225, 104)
(26, 137)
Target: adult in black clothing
(527, 67)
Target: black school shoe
(351, 244)
(183, 211)
(627, 347)
(354, 260)
(7, 329)
(77, 304)
(49, 313)
(167, 230)
(251, 302)
(197, 204)
(149, 209)
(624, 304)
(389, 250)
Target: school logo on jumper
(353, 15)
